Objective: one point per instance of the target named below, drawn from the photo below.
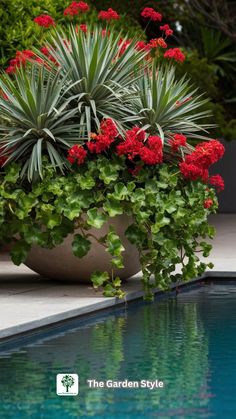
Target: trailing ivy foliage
(169, 225)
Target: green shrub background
(19, 32)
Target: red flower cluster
(197, 163)
(175, 54)
(152, 154)
(134, 146)
(123, 44)
(218, 182)
(83, 27)
(192, 172)
(178, 140)
(206, 153)
(149, 12)
(103, 140)
(208, 203)
(157, 42)
(76, 154)
(108, 15)
(45, 51)
(44, 20)
(142, 46)
(166, 29)
(133, 143)
(75, 7)
(20, 59)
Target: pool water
(188, 342)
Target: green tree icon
(67, 381)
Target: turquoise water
(188, 342)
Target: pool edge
(32, 326)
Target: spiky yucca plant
(166, 105)
(100, 77)
(36, 120)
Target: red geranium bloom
(152, 154)
(142, 46)
(123, 45)
(161, 43)
(175, 54)
(83, 27)
(101, 142)
(76, 154)
(166, 29)
(108, 127)
(208, 203)
(191, 171)
(45, 51)
(82, 6)
(149, 12)
(197, 163)
(178, 140)
(108, 15)
(206, 154)
(169, 32)
(75, 7)
(20, 59)
(132, 144)
(157, 42)
(11, 69)
(218, 182)
(44, 20)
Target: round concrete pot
(60, 263)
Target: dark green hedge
(19, 32)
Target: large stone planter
(60, 263)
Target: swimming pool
(187, 342)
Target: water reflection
(164, 341)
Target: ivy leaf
(109, 291)
(121, 192)
(12, 173)
(86, 182)
(117, 262)
(113, 207)
(116, 282)
(80, 246)
(135, 235)
(161, 221)
(53, 220)
(19, 252)
(95, 218)
(114, 245)
(99, 278)
(108, 173)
